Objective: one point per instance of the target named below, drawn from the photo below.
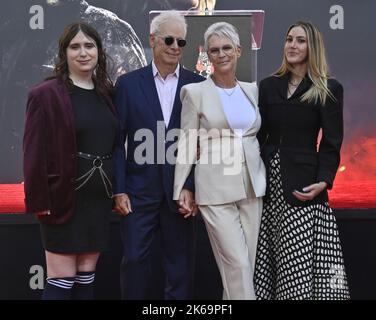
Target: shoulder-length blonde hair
(316, 63)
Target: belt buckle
(97, 163)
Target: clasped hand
(186, 203)
(310, 192)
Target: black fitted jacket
(293, 127)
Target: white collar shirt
(166, 89)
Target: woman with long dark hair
(70, 132)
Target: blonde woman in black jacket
(299, 253)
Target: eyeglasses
(170, 40)
(226, 49)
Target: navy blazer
(49, 147)
(139, 110)
(293, 128)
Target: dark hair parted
(102, 82)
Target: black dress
(299, 254)
(88, 229)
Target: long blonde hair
(316, 62)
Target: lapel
(283, 86)
(304, 85)
(149, 89)
(212, 95)
(176, 109)
(248, 92)
(66, 102)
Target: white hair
(166, 17)
(222, 29)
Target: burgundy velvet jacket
(49, 152)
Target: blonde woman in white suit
(220, 117)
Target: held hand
(43, 213)
(122, 204)
(310, 192)
(186, 203)
(194, 212)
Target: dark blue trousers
(138, 231)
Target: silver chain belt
(97, 165)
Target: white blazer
(218, 172)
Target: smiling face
(163, 54)
(223, 54)
(296, 46)
(82, 55)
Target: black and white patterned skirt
(299, 253)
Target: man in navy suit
(149, 107)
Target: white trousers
(233, 230)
